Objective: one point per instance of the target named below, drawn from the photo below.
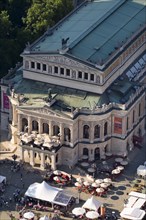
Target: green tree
(44, 13)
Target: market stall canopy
(44, 218)
(92, 204)
(137, 194)
(2, 179)
(132, 214)
(48, 193)
(42, 191)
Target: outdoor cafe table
(91, 170)
(119, 159)
(124, 163)
(108, 154)
(84, 164)
(84, 157)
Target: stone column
(71, 135)
(42, 161)
(50, 128)
(40, 126)
(53, 162)
(61, 132)
(29, 124)
(19, 123)
(91, 132)
(31, 157)
(14, 122)
(102, 131)
(21, 153)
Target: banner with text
(5, 101)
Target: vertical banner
(118, 125)
(5, 101)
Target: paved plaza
(27, 175)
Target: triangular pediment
(43, 111)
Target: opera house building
(81, 87)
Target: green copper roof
(95, 29)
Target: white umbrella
(44, 218)
(98, 181)
(86, 183)
(78, 184)
(78, 211)
(56, 178)
(28, 215)
(116, 171)
(99, 190)
(92, 214)
(107, 180)
(57, 172)
(95, 184)
(104, 185)
(80, 179)
(120, 168)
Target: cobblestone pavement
(113, 201)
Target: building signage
(5, 101)
(118, 125)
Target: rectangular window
(80, 75)
(38, 66)
(55, 69)
(68, 72)
(49, 69)
(85, 75)
(32, 65)
(62, 71)
(92, 77)
(44, 67)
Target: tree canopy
(25, 20)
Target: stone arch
(35, 125)
(96, 131)
(86, 131)
(45, 128)
(67, 134)
(85, 151)
(56, 130)
(24, 124)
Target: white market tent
(45, 192)
(92, 204)
(137, 194)
(132, 213)
(2, 179)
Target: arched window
(34, 125)
(85, 151)
(97, 131)
(24, 125)
(86, 131)
(67, 134)
(56, 130)
(105, 128)
(45, 128)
